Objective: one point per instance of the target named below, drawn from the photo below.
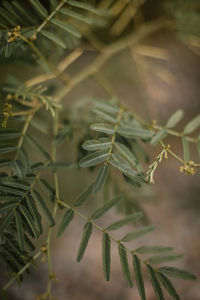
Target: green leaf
(34, 142)
(75, 15)
(138, 233)
(86, 7)
(5, 163)
(164, 258)
(43, 205)
(10, 198)
(9, 134)
(84, 195)
(67, 218)
(192, 125)
(4, 150)
(94, 159)
(124, 264)
(39, 8)
(20, 231)
(130, 132)
(175, 118)
(126, 153)
(10, 9)
(18, 169)
(34, 211)
(40, 125)
(87, 231)
(24, 156)
(15, 183)
(177, 273)
(29, 244)
(29, 220)
(62, 134)
(131, 218)
(54, 38)
(38, 166)
(138, 276)
(101, 178)
(47, 186)
(125, 168)
(12, 191)
(102, 210)
(106, 255)
(186, 149)
(54, 3)
(66, 27)
(168, 286)
(161, 134)
(102, 127)
(155, 282)
(92, 145)
(153, 249)
(7, 206)
(106, 106)
(106, 116)
(6, 220)
(26, 13)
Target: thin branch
(109, 51)
(25, 128)
(119, 117)
(57, 197)
(48, 19)
(62, 66)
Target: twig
(109, 51)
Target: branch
(109, 51)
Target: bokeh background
(162, 76)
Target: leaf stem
(57, 196)
(24, 130)
(48, 19)
(68, 206)
(119, 117)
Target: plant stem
(172, 153)
(119, 116)
(57, 196)
(177, 134)
(68, 206)
(24, 130)
(48, 18)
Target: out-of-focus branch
(132, 39)
(62, 66)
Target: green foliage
(117, 140)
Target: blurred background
(153, 80)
